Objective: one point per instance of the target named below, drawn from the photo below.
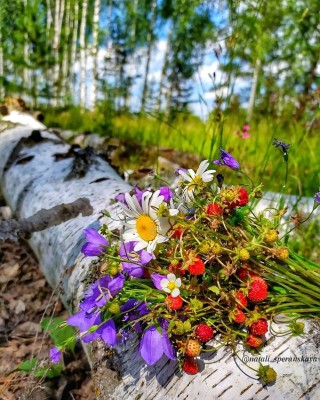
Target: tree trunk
(34, 175)
(164, 71)
(75, 26)
(95, 50)
(150, 43)
(65, 57)
(253, 91)
(83, 51)
(1, 69)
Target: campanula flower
(228, 160)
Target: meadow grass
(258, 157)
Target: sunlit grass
(257, 156)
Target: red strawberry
(239, 316)
(197, 267)
(190, 366)
(193, 348)
(177, 232)
(241, 300)
(214, 209)
(242, 198)
(258, 290)
(254, 341)
(204, 332)
(174, 303)
(259, 327)
(259, 278)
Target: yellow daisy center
(196, 181)
(146, 228)
(171, 285)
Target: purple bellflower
(154, 344)
(156, 279)
(167, 193)
(317, 197)
(55, 355)
(228, 160)
(177, 171)
(95, 243)
(139, 258)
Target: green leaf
(279, 289)
(63, 335)
(214, 289)
(52, 372)
(27, 365)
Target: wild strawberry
(242, 198)
(204, 332)
(238, 316)
(271, 236)
(174, 303)
(241, 300)
(243, 254)
(197, 267)
(259, 327)
(177, 232)
(190, 366)
(258, 290)
(214, 209)
(242, 273)
(254, 341)
(193, 348)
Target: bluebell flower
(228, 160)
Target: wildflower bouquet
(191, 267)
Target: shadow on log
(33, 177)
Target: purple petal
(95, 243)
(151, 346)
(91, 249)
(156, 279)
(167, 346)
(109, 333)
(55, 355)
(166, 193)
(116, 284)
(84, 321)
(178, 170)
(317, 197)
(122, 198)
(229, 160)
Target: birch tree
(83, 55)
(95, 50)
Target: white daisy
(142, 224)
(195, 179)
(171, 285)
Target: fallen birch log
(39, 171)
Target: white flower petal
(171, 277)
(175, 292)
(164, 283)
(178, 282)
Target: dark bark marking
(223, 379)
(100, 180)
(309, 389)
(22, 196)
(25, 160)
(245, 389)
(83, 159)
(210, 374)
(225, 390)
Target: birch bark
(75, 26)
(95, 51)
(120, 373)
(83, 51)
(1, 69)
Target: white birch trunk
(65, 59)
(95, 51)
(164, 71)
(1, 69)
(40, 183)
(26, 72)
(74, 48)
(253, 91)
(83, 55)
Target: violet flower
(139, 193)
(167, 193)
(101, 291)
(178, 170)
(95, 243)
(55, 355)
(139, 258)
(317, 197)
(154, 344)
(133, 310)
(156, 279)
(122, 198)
(228, 160)
(279, 143)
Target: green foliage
(31, 366)
(63, 335)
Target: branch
(43, 219)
